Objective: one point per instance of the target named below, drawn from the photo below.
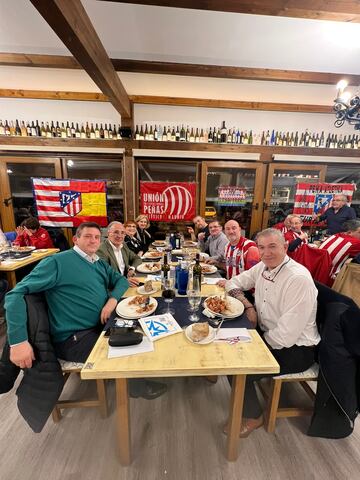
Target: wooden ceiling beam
(333, 10)
(184, 69)
(72, 25)
(163, 100)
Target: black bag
(124, 337)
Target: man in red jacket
(295, 236)
(31, 234)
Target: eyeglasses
(276, 274)
(117, 232)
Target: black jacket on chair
(338, 392)
(41, 384)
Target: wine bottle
(33, 129)
(197, 136)
(2, 128)
(53, 129)
(156, 134)
(192, 136)
(72, 130)
(137, 133)
(218, 135)
(48, 133)
(177, 134)
(146, 134)
(197, 273)
(105, 132)
(233, 137)
(101, 132)
(77, 131)
(210, 136)
(108, 132)
(68, 130)
(17, 129)
(82, 131)
(273, 138)
(37, 129)
(322, 139)
(267, 138)
(223, 133)
(165, 270)
(151, 133)
(182, 134)
(118, 133)
(7, 128)
(42, 130)
(23, 129)
(296, 139)
(141, 134)
(164, 135)
(202, 138)
(188, 134)
(87, 130)
(229, 136)
(173, 135)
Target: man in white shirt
(285, 302)
(215, 243)
(117, 254)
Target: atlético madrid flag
(67, 203)
(316, 198)
(168, 202)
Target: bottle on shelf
(82, 131)
(77, 131)
(197, 136)
(210, 136)
(156, 134)
(101, 132)
(23, 129)
(141, 133)
(68, 130)
(177, 134)
(151, 133)
(2, 128)
(17, 129)
(118, 133)
(106, 132)
(42, 130)
(182, 134)
(146, 133)
(192, 136)
(223, 133)
(63, 130)
(173, 135)
(164, 135)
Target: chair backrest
(318, 262)
(10, 236)
(58, 238)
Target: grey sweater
(215, 245)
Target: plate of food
(189, 243)
(136, 306)
(228, 308)
(148, 288)
(15, 248)
(177, 251)
(200, 333)
(149, 267)
(159, 243)
(207, 269)
(152, 255)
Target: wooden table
(11, 267)
(175, 356)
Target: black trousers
(291, 360)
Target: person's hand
(303, 236)
(221, 283)
(141, 253)
(210, 261)
(22, 355)
(107, 309)
(190, 230)
(133, 282)
(201, 236)
(251, 315)
(27, 231)
(19, 230)
(315, 216)
(131, 273)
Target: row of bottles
(237, 136)
(59, 130)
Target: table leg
(235, 415)
(123, 420)
(11, 278)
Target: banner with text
(316, 198)
(168, 202)
(68, 203)
(231, 196)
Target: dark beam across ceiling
(72, 25)
(184, 69)
(333, 10)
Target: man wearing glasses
(215, 243)
(118, 255)
(285, 302)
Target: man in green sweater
(81, 291)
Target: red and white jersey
(340, 247)
(238, 258)
(281, 226)
(290, 236)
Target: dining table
(176, 356)
(11, 266)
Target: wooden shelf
(177, 146)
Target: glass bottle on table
(197, 273)
(183, 278)
(165, 270)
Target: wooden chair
(69, 368)
(273, 411)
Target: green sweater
(75, 290)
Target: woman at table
(30, 234)
(142, 234)
(131, 240)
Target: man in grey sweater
(216, 242)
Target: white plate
(177, 251)
(125, 310)
(41, 250)
(152, 255)
(142, 268)
(141, 290)
(159, 243)
(213, 268)
(210, 338)
(236, 307)
(23, 249)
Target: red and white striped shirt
(238, 258)
(340, 247)
(290, 236)
(281, 226)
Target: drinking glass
(194, 297)
(168, 294)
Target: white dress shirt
(285, 300)
(87, 257)
(119, 257)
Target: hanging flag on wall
(316, 198)
(168, 202)
(67, 203)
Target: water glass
(194, 297)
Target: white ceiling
(194, 36)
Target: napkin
(208, 314)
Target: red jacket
(39, 239)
